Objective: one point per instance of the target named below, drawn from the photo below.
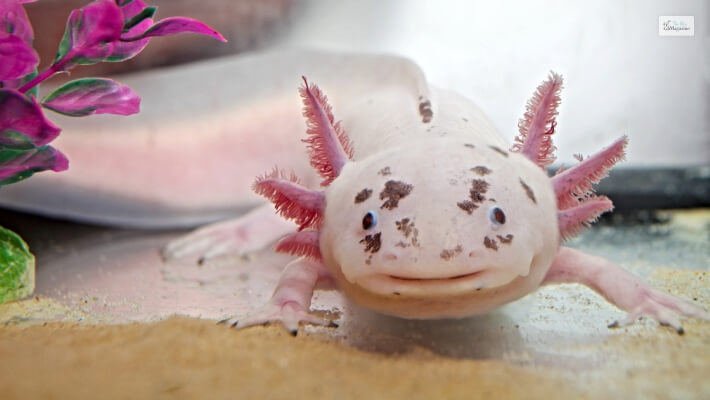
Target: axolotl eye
(497, 215)
(369, 221)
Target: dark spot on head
(507, 239)
(479, 187)
(396, 293)
(385, 171)
(372, 242)
(469, 145)
(415, 239)
(394, 191)
(490, 243)
(448, 254)
(405, 226)
(464, 119)
(481, 170)
(528, 191)
(425, 110)
(363, 195)
(467, 205)
(499, 150)
(478, 288)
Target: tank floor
(103, 324)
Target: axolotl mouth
(386, 284)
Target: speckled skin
(444, 248)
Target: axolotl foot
(662, 307)
(240, 236)
(290, 314)
(291, 301)
(622, 289)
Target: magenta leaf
(22, 124)
(90, 33)
(13, 20)
(17, 58)
(146, 13)
(137, 18)
(17, 164)
(174, 25)
(93, 96)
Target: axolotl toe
(426, 212)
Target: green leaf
(19, 164)
(34, 92)
(17, 267)
(147, 12)
(65, 44)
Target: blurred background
(621, 75)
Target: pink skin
(577, 208)
(621, 288)
(246, 234)
(291, 301)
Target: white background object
(621, 76)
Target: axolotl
(425, 212)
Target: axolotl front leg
(621, 288)
(578, 207)
(291, 301)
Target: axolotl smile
(423, 240)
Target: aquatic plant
(101, 31)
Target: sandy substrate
(192, 359)
(68, 341)
(188, 358)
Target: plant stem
(53, 69)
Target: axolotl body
(425, 212)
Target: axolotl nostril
(426, 212)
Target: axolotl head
(437, 228)
(446, 229)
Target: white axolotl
(424, 212)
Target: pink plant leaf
(18, 164)
(17, 58)
(136, 12)
(13, 20)
(90, 33)
(137, 18)
(174, 25)
(131, 8)
(88, 96)
(22, 124)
